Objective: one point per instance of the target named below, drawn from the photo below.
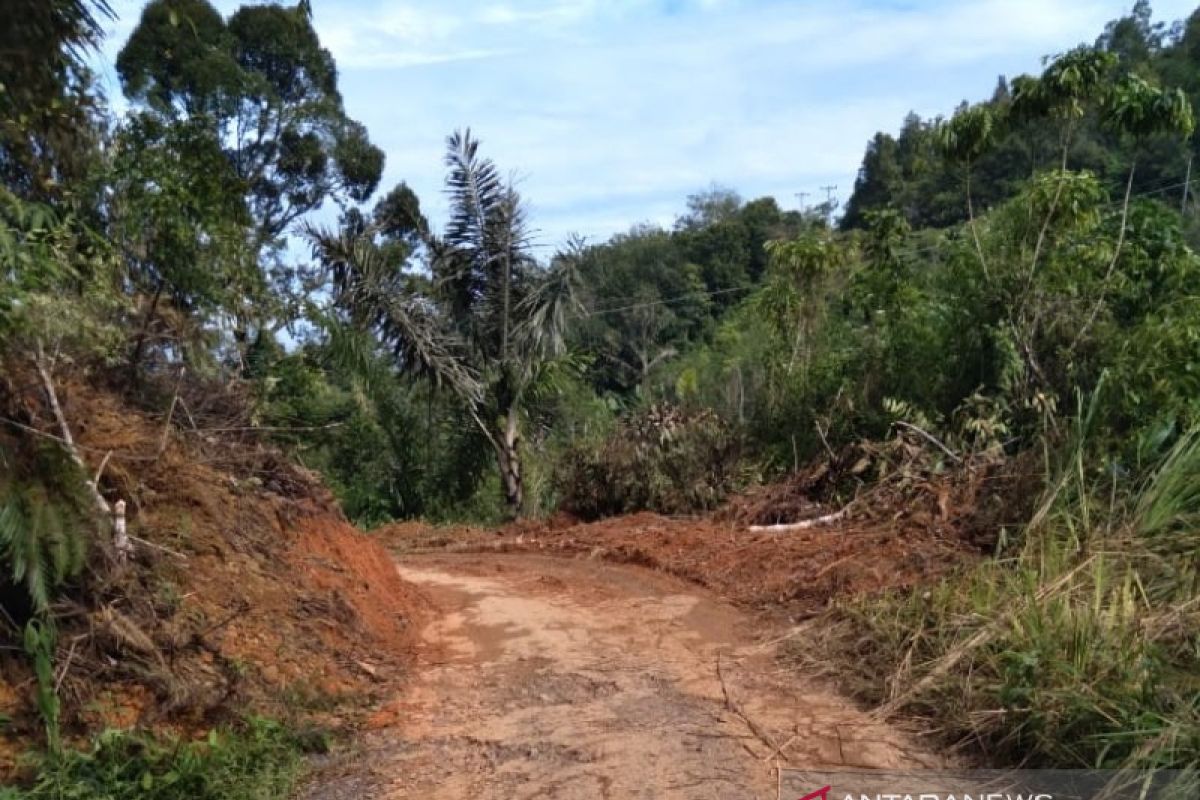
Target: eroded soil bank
(555, 678)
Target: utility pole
(1187, 184)
(800, 196)
(829, 190)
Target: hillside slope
(248, 591)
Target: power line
(665, 300)
(911, 252)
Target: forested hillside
(1013, 289)
(910, 173)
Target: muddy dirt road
(552, 678)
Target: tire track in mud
(552, 678)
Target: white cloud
(616, 109)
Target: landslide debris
(248, 590)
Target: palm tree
(483, 321)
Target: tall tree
(268, 90)
(260, 88)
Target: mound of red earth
(794, 573)
(905, 520)
(248, 592)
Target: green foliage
(1080, 650)
(487, 323)
(47, 125)
(40, 542)
(43, 536)
(58, 278)
(260, 760)
(40, 641)
(1071, 84)
(267, 92)
(389, 449)
(653, 293)
(969, 134)
(1135, 107)
(1093, 108)
(630, 330)
(178, 214)
(662, 459)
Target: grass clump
(1081, 649)
(260, 760)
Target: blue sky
(610, 112)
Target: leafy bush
(258, 762)
(662, 459)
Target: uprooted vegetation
(880, 516)
(245, 592)
(664, 459)
(990, 365)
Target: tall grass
(1079, 649)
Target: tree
(267, 89)
(648, 301)
(878, 181)
(963, 140)
(714, 205)
(46, 100)
(260, 86)
(1133, 38)
(793, 296)
(489, 320)
(181, 223)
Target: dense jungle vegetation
(1018, 277)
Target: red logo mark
(822, 793)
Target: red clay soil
(796, 572)
(249, 591)
(910, 520)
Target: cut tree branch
(64, 430)
(802, 524)
(929, 437)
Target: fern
(42, 543)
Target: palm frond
(483, 267)
(378, 296)
(42, 543)
(547, 309)
(475, 191)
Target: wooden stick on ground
(929, 437)
(166, 431)
(64, 431)
(802, 524)
(736, 708)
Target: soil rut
(551, 678)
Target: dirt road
(552, 678)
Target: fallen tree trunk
(802, 524)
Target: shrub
(662, 459)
